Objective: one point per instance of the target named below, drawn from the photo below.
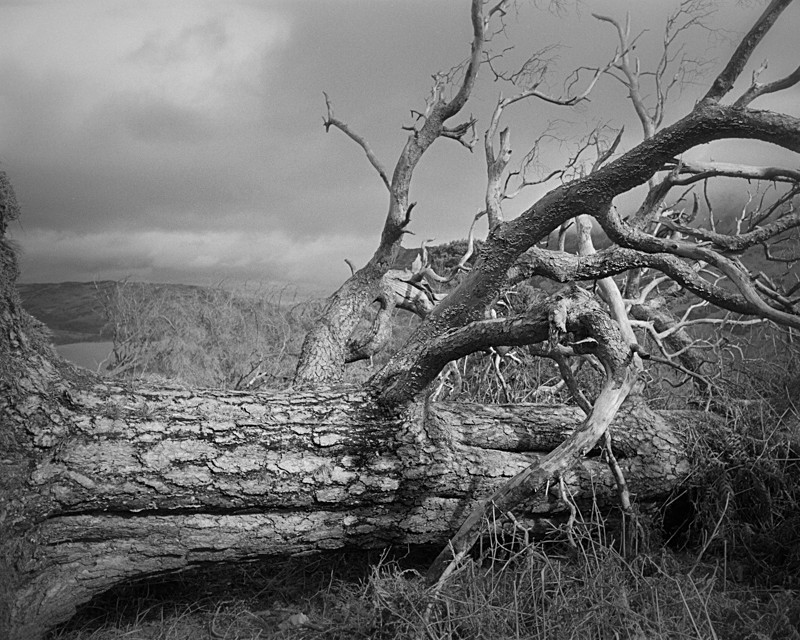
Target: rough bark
(110, 483)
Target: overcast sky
(183, 141)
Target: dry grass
(245, 338)
(544, 590)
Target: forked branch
(756, 89)
(725, 80)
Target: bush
(741, 504)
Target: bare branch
(478, 37)
(608, 287)
(500, 7)
(627, 236)
(331, 121)
(410, 292)
(407, 219)
(725, 80)
(683, 369)
(432, 126)
(459, 133)
(737, 243)
(565, 267)
(631, 80)
(462, 264)
(760, 215)
(497, 158)
(757, 89)
(591, 195)
(702, 170)
(689, 15)
(604, 156)
(572, 384)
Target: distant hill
(73, 311)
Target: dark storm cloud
(184, 140)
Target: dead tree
(702, 261)
(103, 482)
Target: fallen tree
(112, 484)
(105, 482)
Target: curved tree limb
(615, 355)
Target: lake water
(85, 354)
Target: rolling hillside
(73, 311)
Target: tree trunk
(106, 483)
(101, 484)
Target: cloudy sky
(183, 140)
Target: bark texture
(106, 483)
